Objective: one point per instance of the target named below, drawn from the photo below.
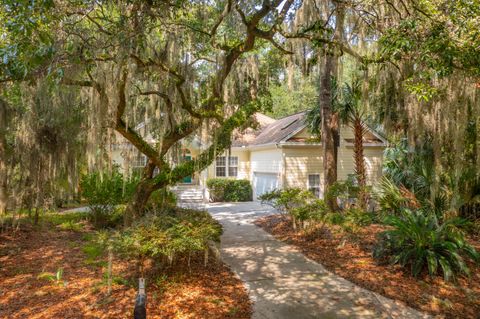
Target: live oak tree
(192, 61)
(190, 67)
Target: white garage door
(264, 182)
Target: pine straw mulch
(350, 256)
(180, 292)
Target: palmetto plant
(420, 241)
(351, 112)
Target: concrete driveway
(283, 283)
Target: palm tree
(350, 109)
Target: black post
(140, 311)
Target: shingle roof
(247, 136)
(280, 129)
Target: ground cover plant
(104, 193)
(86, 83)
(50, 271)
(413, 245)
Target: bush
(346, 193)
(162, 199)
(352, 219)
(287, 199)
(229, 190)
(343, 191)
(176, 232)
(418, 240)
(103, 193)
(300, 204)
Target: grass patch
(94, 252)
(59, 219)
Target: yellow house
(280, 153)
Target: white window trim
(320, 193)
(227, 166)
(135, 162)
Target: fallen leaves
(350, 257)
(211, 292)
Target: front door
(188, 179)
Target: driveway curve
(283, 283)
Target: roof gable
(293, 129)
(280, 129)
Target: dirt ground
(350, 256)
(80, 292)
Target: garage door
(264, 182)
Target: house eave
(367, 145)
(302, 144)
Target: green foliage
(300, 204)
(56, 277)
(313, 210)
(420, 241)
(103, 193)
(172, 233)
(229, 190)
(439, 37)
(161, 199)
(71, 226)
(390, 198)
(287, 102)
(359, 217)
(287, 199)
(313, 117)
(349, 103)
(95, 248)
(343, 191)
(108, 188)
(352, 219)
(57, 218)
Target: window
(224, 168)
(233, 166)
(139, 161)
(314, 184)
(221, 166)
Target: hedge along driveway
(229, 190)
(283, 283)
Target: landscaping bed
(350, 256)
(45, 273)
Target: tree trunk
(328, 136)
(3, 161)
(360, 168)
(136, 205)
(329, 130)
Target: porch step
(189, 194)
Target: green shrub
(103, 192)
(161, 199)
(175, 232)
(300, 205)
(343, 190)
(359, 217)
(352, 219)
(390, 197)
(287, 199)
(346, 193)
(314, 210)
(229, 190)
(419, 241)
